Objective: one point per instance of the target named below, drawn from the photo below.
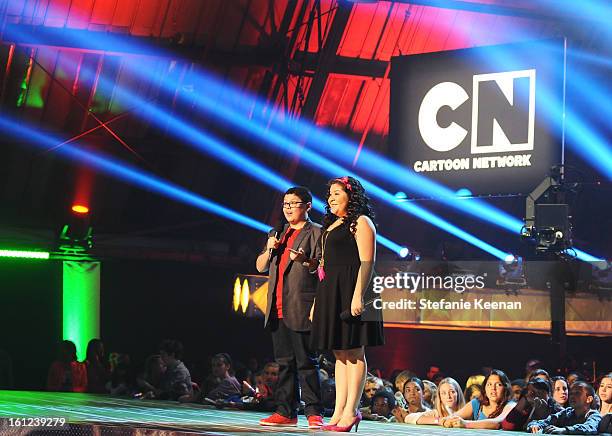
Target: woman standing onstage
(348, 248)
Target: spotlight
(236, 295)
(463, 193)
(404, 252)
(510, 258)
(511, 273)
(77, 235)
(79, 208)
(250, 295)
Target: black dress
(334, 294)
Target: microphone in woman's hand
(346, 315)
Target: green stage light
(81, 304)
(22, 254)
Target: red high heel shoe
(349, 427)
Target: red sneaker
(277, 420)
(315, 421)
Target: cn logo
(503, 113)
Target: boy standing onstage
(291, 257)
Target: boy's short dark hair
(302, 192)
(540, 384)
(172, 347)
(589, 391)
(384, 393)
(224, 357)
(518, 382)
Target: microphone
(345, 315)
(278, 230)
(400, 400)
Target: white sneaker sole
(269, 424)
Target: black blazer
(299, 284)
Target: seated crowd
(537, 403)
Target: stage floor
(100, 415)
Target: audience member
(98, 374)
(432, 371)
(437, 378)
(401, 378)
(413, 393)
(371, 386)
(530, 366)
(149, 381)
(473, 391)
(176, 381)
(475, 379)
(538, 373)
(328, 396)
(573, 377)
(605, 394)
(220, 385)
(66, 374)
(429, 394)
(262, 389)
(579, 418)
(381, 407)
(534, 403)
(560, 389)
(121, 382)
(489, 411)
(270, 374)
(517, 388)
(449, 399)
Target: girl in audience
(560, 390)
(605, 394)
(429, 394)
(98, 374)
(473, 391)
(66, 374)
(489, 411)
(449, 399)
(413, 393)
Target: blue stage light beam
(126, 173)
(208, 143)
(103, 41)
(442, 224)
(243, 103)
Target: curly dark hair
(358, 203)
(484, 400)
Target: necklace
(321, 269)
